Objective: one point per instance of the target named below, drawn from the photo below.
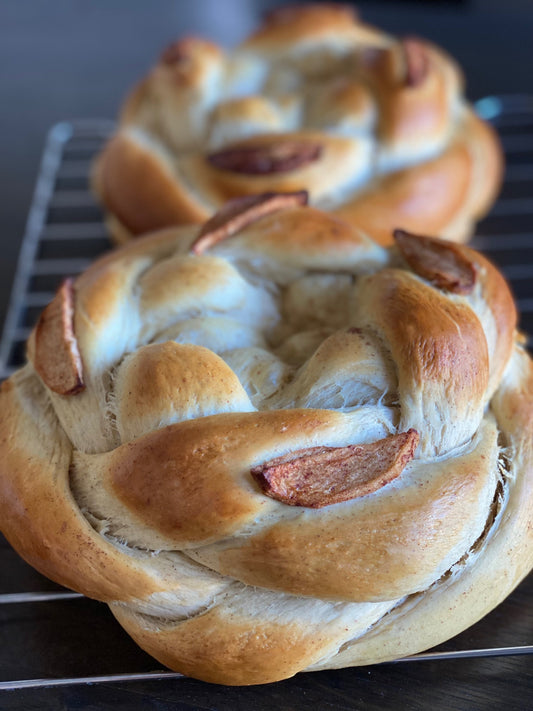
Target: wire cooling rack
(65, 232)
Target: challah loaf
(272, 444)
(376, 129)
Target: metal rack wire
(65, 232)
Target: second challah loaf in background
(375, 128)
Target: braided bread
(376, 129)
(272, 444)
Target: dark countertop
(64, 59)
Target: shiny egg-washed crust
(293, 340)
(375, 128)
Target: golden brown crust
(161, 380)
(149, 198)
(319, 239)
(421, 198)
(378, 550)
(42, 522)
(488, 165)
(433, 355)
(230, 652)
(500, 561)
(201, 369)
(412, 92)
(236, 643)
(375, 128)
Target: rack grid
(65, 232)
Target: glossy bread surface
(191, 480)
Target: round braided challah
(376, 129)
(273, 445)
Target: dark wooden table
(68, 58)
